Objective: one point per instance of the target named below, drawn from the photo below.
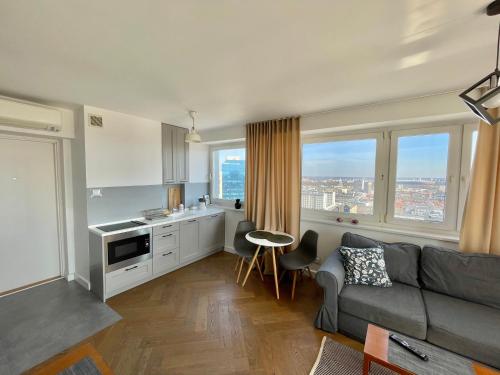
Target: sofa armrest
(330, 277)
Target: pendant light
(193, 136)
(485, 94)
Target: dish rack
(156, 213)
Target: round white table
(268, 243)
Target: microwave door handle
(131, 268)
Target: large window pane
(228, 171)
(421, 182)
(339, 176)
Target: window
(421, 177)
(424, 171)
(338, 176)
(402, 179)
(228, 173)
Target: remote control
(408, 347)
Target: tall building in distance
(232, 183)
(318, 201)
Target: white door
(29, 241)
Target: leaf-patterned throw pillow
(365, 266)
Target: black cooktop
(113, 227)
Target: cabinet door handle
(167, 226)
(168, 235)
(164, 255)
(131, 268)
(191, 221)
(214, 215)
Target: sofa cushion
(399, 307)
(401, 258)
(466, 328)
(473, 277)
(365, 266)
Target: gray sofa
(445, 297)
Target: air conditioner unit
(31, 116)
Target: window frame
(379, 180)
(212, 149)
(452, 178)
(465, 168)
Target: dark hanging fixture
(485, 94)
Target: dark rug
(337, 359)
(40, 322)
(84, 367)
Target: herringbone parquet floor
(196, 320)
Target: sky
(418, 156)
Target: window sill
(384, 228)
(229, 208)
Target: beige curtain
(481, 223)
(273, 175)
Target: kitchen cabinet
(176, 242)
(190, 247)
(211, 232)
(175, 154)
(128, 277)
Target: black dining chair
(301, 258)
(244, 248)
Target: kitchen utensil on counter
(174, 197)
(156, 213)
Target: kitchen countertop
(188, 214)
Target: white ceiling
(236, 61)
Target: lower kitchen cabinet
(174, 245)
(164, 262)
(190, 244)
(128, 277)
(211, 232)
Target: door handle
(167, 226)
(191, 221)
(131, 268)
(164, 255)
(167, 235)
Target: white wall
(433, 108)
(81, 233)
(198, 163)
(126, 151)
(330, 235)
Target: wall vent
(95, 120)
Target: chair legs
(293, 285)
(236, 265)
(241, 266)
(260, 270)
(250, 267)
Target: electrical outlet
(96, 193)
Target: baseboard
(82, 281)
(229, 249)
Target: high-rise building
(318, 201)
(233, 178)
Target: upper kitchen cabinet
(120, 149)
(175, 153)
